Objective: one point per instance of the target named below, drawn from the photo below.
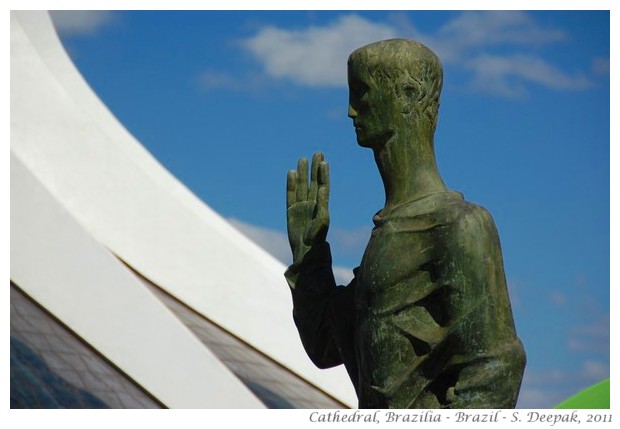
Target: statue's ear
(409, 95)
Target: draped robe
(426, 321)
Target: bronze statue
(426, 322)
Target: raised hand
(307, 213)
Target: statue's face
(370, 107)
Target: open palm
(307, 205)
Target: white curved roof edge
(78, 280)
(42, 34)
(122, 196)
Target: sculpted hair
(410, 70)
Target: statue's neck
(408, 168)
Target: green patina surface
(426, 321)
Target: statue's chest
(393, 255)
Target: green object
(426, 321)
(594, 397)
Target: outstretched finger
(323, 176)
(314, 170)
(321, 219)
(291, 186)
(322, 202)
(302, 180)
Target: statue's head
(393, 84)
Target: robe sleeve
(324, 313)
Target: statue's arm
(319, 307)
(491, 358)
(317, 302)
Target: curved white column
(78, 280)
(68, 139)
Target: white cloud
(593, 337)
(539, 398)
(546, 377)
(81, 22)
(598, 328)
(350, 241)
(276, 243)
(248, 82)
(507, 74)
(547, 388)
(600, 66)
(343, 275)
(595, 370)
(214, 79)
(315, 56)
(559, 299)
(478, 29)
(515, 291)
(467, 41)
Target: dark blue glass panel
(35, 385)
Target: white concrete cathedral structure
(106, 242)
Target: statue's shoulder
(452, 208)
(470, 222)
(466, 213)
(446, 213)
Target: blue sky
(227, 101)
